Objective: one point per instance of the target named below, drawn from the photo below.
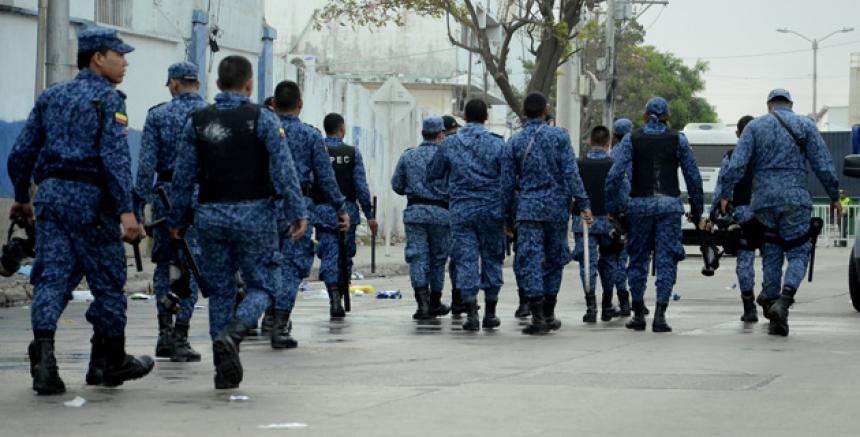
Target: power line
(766, 54)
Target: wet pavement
(379, 374)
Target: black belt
(74, 176)
(421, 201)
(165, 176)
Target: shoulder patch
(121, 118)
(282, 133)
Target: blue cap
(97, 38)
(182, 70)
(433, 125)
(779, 92)
(622, 127)
(657, 107)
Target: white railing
(839, 231)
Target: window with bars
(113, 12)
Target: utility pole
(57, 42)
(609, 103)
(41, 40)
(568, 99)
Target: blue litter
(676, 296)
(389, 294)
(25, 270)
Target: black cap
(450, 122)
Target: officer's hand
(22, 211)
(132, 231)
(586, 215)
(374, 226)
(509, 231)
(298, 229)
(724, 206)
(836, 206)
(342, 221)
(176, 233)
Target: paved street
(380, 374)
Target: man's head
(535, 106)
(182, 78)
(779, 98)
(103, 52)
(742, 124)
(334, 125)
(235, 74)
(288, 98)
(451, 124)
(620, 128)
(476, 111)
(433, 129)
(657, 109)
(599, 138)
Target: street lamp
(815, 43)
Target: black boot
(422, 300)
(472, 322)
(659, 323)
(184, 352)
(590, 308)
(122, 367)
(637, 323)
(490, 320)
(765, 303)
(522, 311)
(624, 303)
(225, 354)
(457, 305)
(779, 312)
(43, 365)
(549, 301)
(437, 308)
(268, 321)
(98, 361)
(538, 324)
(750, 314)
(165, 347)
(281, 327)
(607, 311)
(335, 299)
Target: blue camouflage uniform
(325, 220)
(428, 225)
(598, 235)
(655, 221)
(239, 236)
(621, 127)
(547, 178)
(314, 171)
(780, 200)
(473, 161)
(745, 259)
(75, 147)
(161, 135)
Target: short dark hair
(269, 102)
(534, 105)
(599, 136)
(84, 58)
(332, 123)
(287, 95)
(742, 123)
(476, 111)
(234, 71)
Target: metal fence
(839, 230)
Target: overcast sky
(712, 29)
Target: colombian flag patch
(282, 133)
(121, 118)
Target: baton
(138, 260)
(373, 242)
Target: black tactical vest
(593, 173)
(233, 161)
(743, 190)
(655, 164)
(343, 163)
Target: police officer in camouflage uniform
(473, 162)
(651, 157)
(603, 256)
(745, 258)
(620, 128)
(457, 307)
(352, 179)
(317, 180)
(235, 151)
(548, 184)
(161, 134)
(74, 146)
(777, 146)
(427, 221)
